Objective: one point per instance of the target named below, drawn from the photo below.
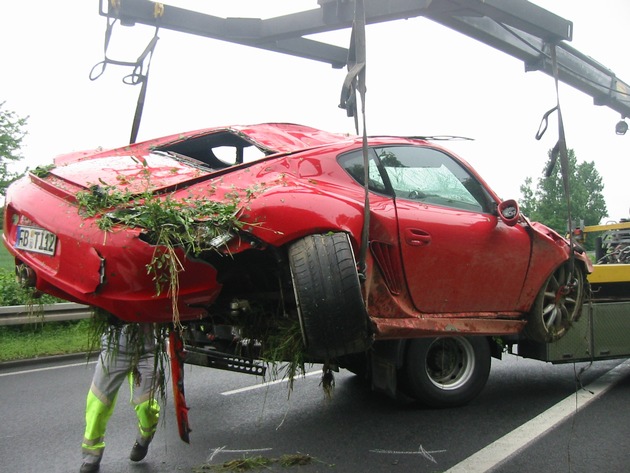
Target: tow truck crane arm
(518, 28)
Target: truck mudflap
(176, 352)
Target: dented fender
(545, 258)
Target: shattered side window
(428, 175)
(353, 164)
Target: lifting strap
(139, 74)
(355, 81)
(559, 150)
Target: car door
(458, 256)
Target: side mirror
(508, 212)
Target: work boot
(138, 452)
(89, 468)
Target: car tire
(553, 313)
(446, 371)
(330, 305)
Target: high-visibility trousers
(115, 364)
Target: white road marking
(264, 385)
(511, 443)
(216, 451)
(84, 363)
(421, 451)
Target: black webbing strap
(355, 78)
(559, 150)
(139, 74)
(355, 81)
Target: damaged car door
(451, 236)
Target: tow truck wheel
(557, 306)
(328, 293)
(446, 371)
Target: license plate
(36, 239)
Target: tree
(547, 203)
(11, 135)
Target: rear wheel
(328, 294)
(446, 371)
(557, 306)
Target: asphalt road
(504, 430)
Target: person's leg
(109, 374)
(143, 385)
(97, 414)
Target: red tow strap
(176, 352)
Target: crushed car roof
(270, 137)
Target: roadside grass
(39, 340)
(6, 259)
(36, 339)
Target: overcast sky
(422, 79)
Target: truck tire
(556, 307)
(330, 305)
(446, 371)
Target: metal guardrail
(23, 314)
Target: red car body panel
(76, 271)
(128, 172)
(431, 269)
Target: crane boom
(518, 28)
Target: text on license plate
(35, 239)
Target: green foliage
(37, 340)
(257, 462)
(284, 343)
(43, 171)
(189, 223)
(11, 293)
(6, 259)
(283, 350)
(547, 202)
(11, 135)
(100, 198)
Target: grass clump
(42, 171)
(242, 464)
(256, 463)
(285, 344)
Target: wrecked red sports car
(443, 254)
